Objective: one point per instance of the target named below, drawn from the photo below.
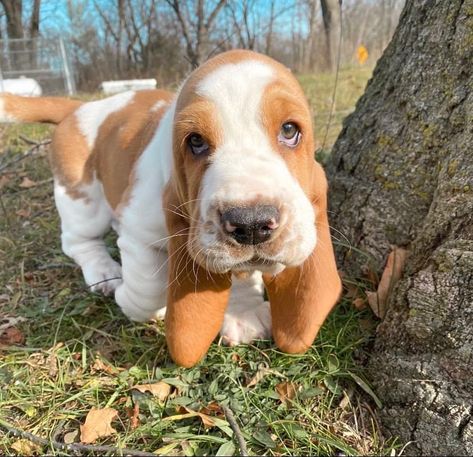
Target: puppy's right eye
(197, 144)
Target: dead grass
(75, 350)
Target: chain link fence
(44, 60)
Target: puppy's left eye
(289, 135)
(197, 144)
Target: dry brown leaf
(100, 365)
(70, 437)
(4, 180)
(11, 335)
(186, 413)
(213, 408)
(259, 375)
(27, 183)
(391, 275)
(97, 424)
(263, 370)
(359, 303)
(352, 290)
(133, 415)
(286, 391)
(25, 447)
(160, 389)
(52, 365)
(24, 212)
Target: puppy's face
(243, 164)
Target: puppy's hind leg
(85, 218)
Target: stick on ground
(236, 430)
(75, 447)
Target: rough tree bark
(402, 174)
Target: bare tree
(16, 30)
(196, 33)
(331, 18)
(243, 26)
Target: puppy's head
(243, 166)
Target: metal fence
(44, 60)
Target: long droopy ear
(302, 297)
(196, 300)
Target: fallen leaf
(359, 303)
(70, 437)
(160, 389)
(213, 408)
(100, 365)
(24, 212)
(11, 336)
(352, 290)
(259, 375)
(263, 370)
(97, 424)
(186, 413)
(25, 447)
(133, 415)
(4, 180)
(235, 357)
(286, 391)
(391, 275)
(52, 365)
(27, 183)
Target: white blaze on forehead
(236, 90)
(245, 164)
(91, 115)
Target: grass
(80, 352)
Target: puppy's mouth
(224, 263)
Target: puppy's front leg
(142, 294)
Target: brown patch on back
(120, 141)
(122, 138)
(68, 156)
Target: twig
(74, 447)
(104, 280)
(52, 266)
(28, 153)
(236, 430)
(33, 142)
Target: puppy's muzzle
(250, 225)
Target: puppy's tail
(14, 108)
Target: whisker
(166, 238)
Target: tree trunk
(331, 19)
(402, 174)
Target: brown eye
(289, 134)
(289, 130)
(197, 144)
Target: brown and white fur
(126, 162)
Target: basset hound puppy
(215, 195)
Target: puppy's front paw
(246, 326)
(103, 275)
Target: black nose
(252, 224)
